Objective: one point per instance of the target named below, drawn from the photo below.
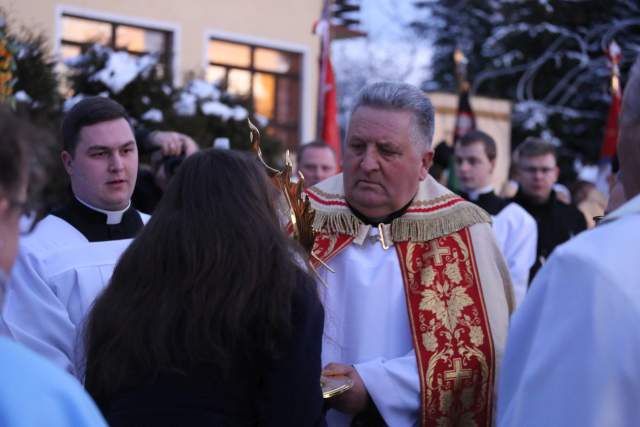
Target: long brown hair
(209, 279)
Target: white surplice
(367, 325)
(517, 236)
(573, 349)
(56, 278)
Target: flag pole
(323, 29)
(608, 149)
(327, 127)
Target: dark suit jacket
(557, 223)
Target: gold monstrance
(301, 217)
(299, 209)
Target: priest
(516, 231)
(417, 295)
(69, 257)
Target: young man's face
(536, 176)
(317, 164)
(104, 167)
(473, 167)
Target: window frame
(302, 75)
(171, 54)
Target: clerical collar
(95, 224)
(375, 221)
(473, 195)
(113, 217)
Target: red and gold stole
(449, 320)
(450, 329)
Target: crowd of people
(433, 306)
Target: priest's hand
(355, 399)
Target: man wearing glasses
(557, 221)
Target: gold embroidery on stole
(451, 331)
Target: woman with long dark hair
(208, 320)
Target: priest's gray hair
(404, 97)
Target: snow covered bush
(199, 108)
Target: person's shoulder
(570, 214)
(481, 231)
(306, 288)
(566, 208)
(34, 379)
(16, 360)
(620, 237)
(327, 192)
(305, 295)
(515, 213)
(582, 269)
(50, 233)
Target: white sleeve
(517, 235)
(571, 357)
(34, 315)
(394, 387)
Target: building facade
(263, 50)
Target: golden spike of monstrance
(301, 214)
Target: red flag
(608, 149)
(330, 128)
(465, 119)
(327, 123)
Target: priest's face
(104, 167)
(473, 166)
(383, 165)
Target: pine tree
(35, 75)
(454, 24)
(92, 72)
(547, 56)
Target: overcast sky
(386, 19)
(389, 44)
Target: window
(269, 78)
(78, 31)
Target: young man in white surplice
(69, 257)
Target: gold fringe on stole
(447, 222)
(337, 222)
(414, 227)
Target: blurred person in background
(516, 231)
(166, 151)
(591, 202)
(317, 162)
(33, 392)
(537, 173)
(441, 160)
